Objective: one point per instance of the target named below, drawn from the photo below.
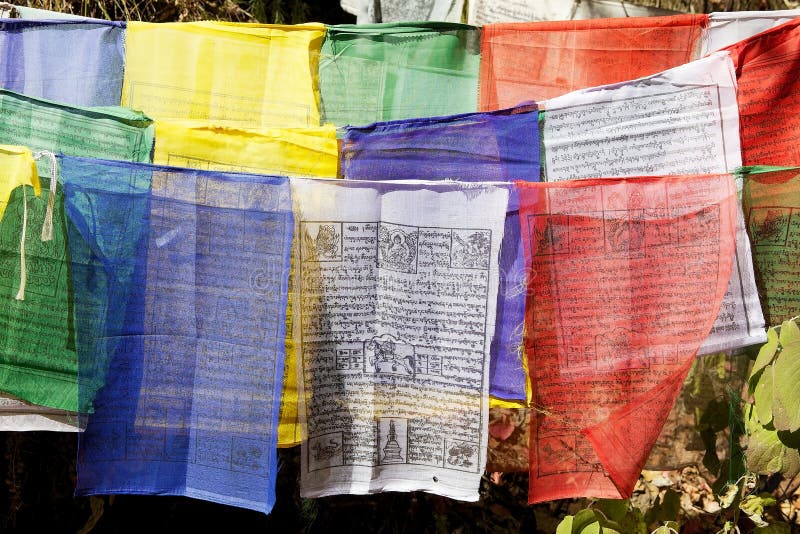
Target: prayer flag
(625, 279)
(378, 72)
(78, 62)
(248, 75)
(539, 60)
(180, 280)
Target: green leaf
(565, 527)
(764, 449)
(585, 522)
(766, 353)
(790, 333)
(762, 395)
(786, 378)
(791, 454)
(754, 505)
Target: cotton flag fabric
(381, 72)
(250, 75)
(17, 171)
(110, 132)
(39, 351)
(684, 120)
(397, 285)
(771, 200)
(727, 28)
(540, 60)
(625, 279)
(766, 66)
(282, 151)
(78, 62)
(182, 276)
(498, 146)
(290, 152)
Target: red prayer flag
(523, 61)
(767, 67)
(625, 280)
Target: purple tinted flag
(78, 62)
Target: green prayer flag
(379, 72)
(771, 202)
(38, 360)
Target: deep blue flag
(180, 281)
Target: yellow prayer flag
(17, 168)
(281, 151)
(250, 75)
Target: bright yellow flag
(249, 75)
(281, 151)
(16, 168)
(292, 152)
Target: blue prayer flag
(181, 281)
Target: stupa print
(392, 450)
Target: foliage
(773, 418)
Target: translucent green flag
(771, 203)
(378, 72)
(38, 362)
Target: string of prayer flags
(540, 60)
(727, 28)
(181, 279)
(281, 151)
(248, 75)
(771, 200)
(768, 95)
(625, 279)
(395, 352)
(379, 72)
(291, 152)
(39, 348)
(78, 62)
(681, 121)
(496, 146)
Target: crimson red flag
(625, 279)
(769, 95)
